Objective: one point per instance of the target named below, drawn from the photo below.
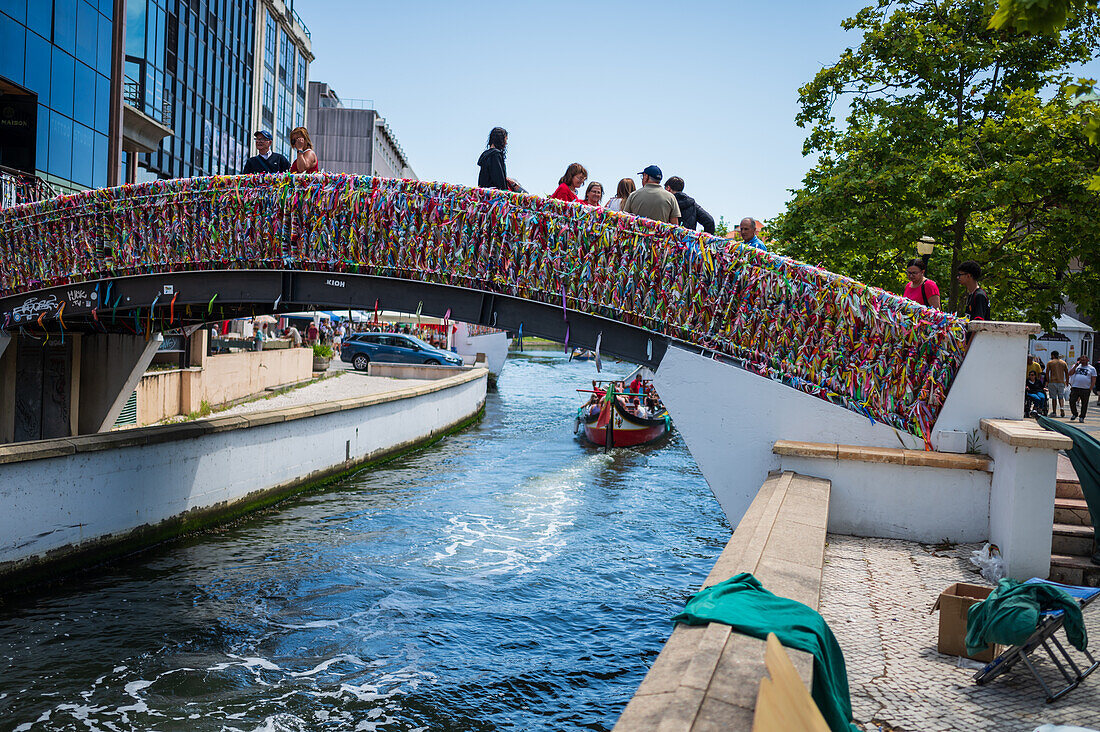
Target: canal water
(508, 577)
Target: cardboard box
(953, 604)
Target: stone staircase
(1072, 540)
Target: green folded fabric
(742, 603)
(1011, 613)
(1085, 457)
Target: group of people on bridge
(668, 204)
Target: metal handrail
(19, 187)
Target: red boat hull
(623, 438)
(626, 429)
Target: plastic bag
(988, 559)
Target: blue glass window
(61, 146)
(84, 93)
(64, 30)
(13, 47)
(40, 17)
(83, 154)
(103, 47)
(107, 7)
(15, 8)
(87, 29)
(135, 28)
(61, 82)
(102, 103)
(99, 161)
(37, 74)
(42, 145)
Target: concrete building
(350, 137)
(280, 68)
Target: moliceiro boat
(620, 416)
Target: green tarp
(742, 603)
(1011, 613)
(1085, 457)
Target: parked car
(359, 349)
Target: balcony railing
(17, 187)
(132, 95)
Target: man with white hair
(747, 229)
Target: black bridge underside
(140, 303)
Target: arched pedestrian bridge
(149, 257)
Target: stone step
(1072, 539)
(1072, 511)
(1069, 489)
(1067, 485)
(1071, 570)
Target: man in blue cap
(651, 200)
(266, 161)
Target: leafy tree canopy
(958, 131)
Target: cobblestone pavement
(876, 594)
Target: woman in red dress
(306, 162)
(574, 178)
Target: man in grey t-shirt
(651, 200)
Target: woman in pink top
(919, 287)
(574, 178)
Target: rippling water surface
(507, 578)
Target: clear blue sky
(706, 90)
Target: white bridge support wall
(730, 419)
(990, 382)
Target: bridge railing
(860, 347)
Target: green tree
(948, 135)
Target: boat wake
(526, 530)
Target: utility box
(951, 441)
(953, 604)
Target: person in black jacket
(493, 170)
(691, 213)
(266, 161)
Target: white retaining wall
(78, 499)
(902, 501)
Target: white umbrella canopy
(264, 320)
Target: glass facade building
(283, 72)
(55, 62)
(189, 66)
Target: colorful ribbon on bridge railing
(827, 335)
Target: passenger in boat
(574, 178)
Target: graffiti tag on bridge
(82, 298)
(32, 307)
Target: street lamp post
(925, 245)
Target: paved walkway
(1092, 419)
(342, 385)
(876, 594)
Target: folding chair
(1043, 636)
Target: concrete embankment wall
(221, 378)
(78, 500)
